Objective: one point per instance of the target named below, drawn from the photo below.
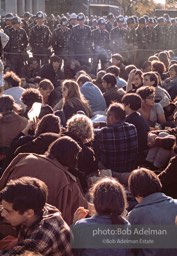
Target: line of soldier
(75, 37)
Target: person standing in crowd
(40, 226)
(40, 36)
(61, 40)
(4, 38)
(81, 41)
(17, 45)
(117, 143)
(101, 45)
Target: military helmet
(64, 21)
(40, 15)
(120, 18)
(73, 16)
(81, 16)
(142, 20)
(9, 16)
(130, 20)
(101, 21)
(16, 20)
(27, 14)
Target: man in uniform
(118, 36)
(60, 40)
(131, 40)
(18, 41)
(100, 38)
(81, 41)
(40, 37)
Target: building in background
(21, 6)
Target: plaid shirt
(118, 147)
(49, 236)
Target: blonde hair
(82, 127)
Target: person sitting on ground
(112, 92)
(153, 208)
(132, 103)
(45, 88)
(109, 199)
(40, 226)
(80, 128)
(92, 93)
(54, 169)
(121, 83)
(135, 80)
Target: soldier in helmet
(8, 22)
(81, 40)
(40, 39)
(72, 20)
(131, 40)
(110, 22)
(118, 36)
(60, 40)
(101, 45)
(159, 34)
(17, 45)
(142, 43)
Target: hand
(80, 213)
(132, 74)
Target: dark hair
(7, 103)
(133, 100)
(143, 182)
(46, 84)
(113, 70)
(117, 56)
(118, 110)
(31, 59)
(163, 56)
(48, 123)
(31, 95)
(145, 91)
(65, 150)
(110, 79)
(174, 66)
(12, 79)
(153, 77)
(109, 198)
(55, 58)
(158, 66)
(45, 110)
(25, 193)
(84, 78)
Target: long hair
(75, 97)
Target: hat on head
(120, 18)
(73, 16)
(16, 20)
(81, 16)
(27, 14)
(9, 16)
(40, 15)
(142, 20)
(64, 21)
(130, 20)
(101, 21)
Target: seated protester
(161, 95)
(168, 177)
(152, 112)
(80, 128)
(52, 71)
(135, 80)
(30, 96)
(30, 70)
(54, 169)
(98, 80)
(37, 143)
(12, 87)
(159, 67)
(117, 144)
(40, 226)
(153, 208)
(121, 83)
(11, 123)
(117, 60)
(92, 93)
(132, 103)
(112, 92)
(170, 83)
(72, 101)
(109, 199)
(45, 88)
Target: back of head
(117, 110)
(22, 192)
(48, 123)
(113, 70)
(109, 198)
(143, 182)
(65, 150)
(12, 79)
(31, 95)
(46, 84)
(110, 79)
(7, 103)
(132, 100)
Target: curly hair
(31, 95)
(81, 126)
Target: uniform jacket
(64, 192)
